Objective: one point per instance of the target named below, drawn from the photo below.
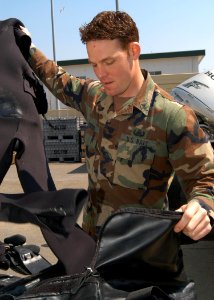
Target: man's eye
(109, 62)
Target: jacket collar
(142, 101)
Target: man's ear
(134, 50)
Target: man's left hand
(195, 221)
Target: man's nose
(101, 72)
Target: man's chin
(107, 91)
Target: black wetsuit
(19, 118)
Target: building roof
(199, 53)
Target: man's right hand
(25, 30)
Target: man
(137, 135)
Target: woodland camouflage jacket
(132, 154)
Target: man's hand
(25, 30)
(195, 221)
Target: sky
(164, 25)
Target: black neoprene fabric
(19, 119)
(56, 213)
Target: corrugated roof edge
(84, 61)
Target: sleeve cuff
(209, 211)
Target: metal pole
(53, 42)
(117, 5)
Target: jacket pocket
(133, 163)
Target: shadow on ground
(81, 170)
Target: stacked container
(62, 140)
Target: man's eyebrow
(102, 60)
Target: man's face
(112, 65)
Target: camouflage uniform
(131, 154)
